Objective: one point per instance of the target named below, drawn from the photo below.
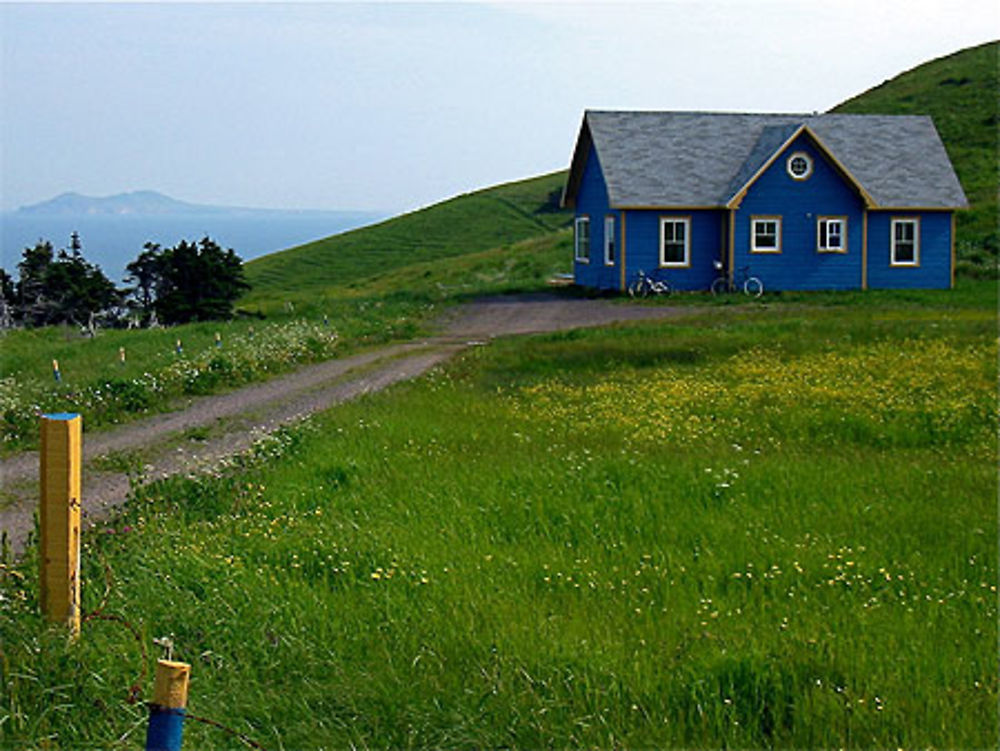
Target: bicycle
(751, 285)
(644, 285)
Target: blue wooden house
(804, 202)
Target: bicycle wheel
(753, 287)
(663, 288)
(720, 286)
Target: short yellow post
(166, 711)
(60, 519)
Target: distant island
(151, 203)
(114, 229)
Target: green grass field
(342, 266)
(762, 527)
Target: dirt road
(210, 428)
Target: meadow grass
(95, 382)
(760, 528)
(385, 307)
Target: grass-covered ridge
(770, 527)
(493, 218)
(961, 92)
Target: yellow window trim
(825, 218)
(915, 263)
(765, 218)
(576, 247)
(687, 241)
(623, 254)
(615, 245)
(864, 249)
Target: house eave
(737, 198)
(668, 207)
(584, 141)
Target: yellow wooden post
(169, 706)
(60, 519)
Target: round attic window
(800, 165)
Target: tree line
(191, 281)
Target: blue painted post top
(61, 416)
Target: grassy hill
(960, 92)
(345, 265)
(471, 242)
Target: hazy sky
(394, 106)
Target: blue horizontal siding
(934, 271)
(800, 203)
(592, 202)
(642, 247)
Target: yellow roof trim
(667, 208)
(942, 209)
(869, 201)
(737, 199)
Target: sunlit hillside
(494, 218)
(960, 92)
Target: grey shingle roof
(656, 159)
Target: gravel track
(229, 423)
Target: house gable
(794, 136)
(820, 219)
(581, 152)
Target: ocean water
(113, 241)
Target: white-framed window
(675, 241)
(799, 165)
(610, 244)
(765, 234)
(904, 245)
(831, 234)
(581, 239)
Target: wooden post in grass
(169, 705)
(60, 519)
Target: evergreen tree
(145, 273)
(60, 288)
(8, 299)
(188, 282)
